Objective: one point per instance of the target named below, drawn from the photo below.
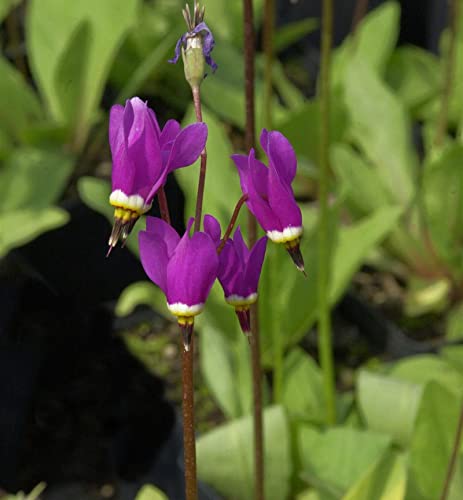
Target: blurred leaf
(18, 104)
(6, 6)
(425, 368)
(427, 296)
(386, 480)
(414, 75)
(21, 226)
(293, 98)
(33, 178)
(229, 448)
(338, 457)
(142, 292)
(292, 32)
(443, 198)
(302, 387)
(378, 394)
(432, 440)
(55, 32)
(454, 323)
(149, 492)
(373, 43)
(388, 147)
(95, 194)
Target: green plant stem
(453, 457)
(277, 337)
(188, 409)
(443, 118)
(249, 55)
(267, 42)
(324, 318)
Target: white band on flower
(288, 234)
(237, 300)
(135, 202)
(179, 309)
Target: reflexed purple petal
(259, 175)
(212, 228)
(192, 270)
(187, 146)
(134, 120)
(242, 164)
(282, 202)
(230, 269)
(178, 47)
(169, 133)
(281, 155)
(240, 246)
(254, 265)
(154, 258)
(116, 132)
(155, 121)
(208, 43)
(123, 172)
(164, 232)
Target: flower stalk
(453, 457)
(324, 318)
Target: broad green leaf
(443, 197)
(95, 194)
(378, 394)
(149, 492)
(21, 226)
(6, 6)
(454, 323)
(225, 457)
(302, 387)
(142, 292)
(425, 368)
(55, 31)
(414, 75)
(18, 104)
(340, 456)
(292, 32)
(385, 480)
(454, 355)
(365, 192)
(374, 42)
(33, 178)
(355, 243)
(432, 440)
(388, 147)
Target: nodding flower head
(239, 270)
(185, 268)
(195, 46)
(143, 155)
(270, 195)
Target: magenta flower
(184, 268)
(270, 195)
(239, 270)
(143, 155)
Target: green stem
(324, 318)
(277, 337)
(267, 42)
(453, 457)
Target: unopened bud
(193, 60)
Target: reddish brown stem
(249, 56)
(189, 445)
(453, 457)
(163, 205)
(202, 170)
(361, 8)
(232, 222)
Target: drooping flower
(184, 268)
(195, 46)
(143, 155)
(270, 195)
(239, 270)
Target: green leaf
(21, 226)
(374, 42)
(337, 458)
(54, 31)
(19, 105)
(389, 147)
(95, 194)
(302, 387)
(378, 394)
(292, 32)
(33, 178)
(142, 292)
(432, 440)
(6, 6)
(225, 457)
(149, 492)
(386, 480)
(454, 323)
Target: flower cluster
(185, 267)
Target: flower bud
(193, 60)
